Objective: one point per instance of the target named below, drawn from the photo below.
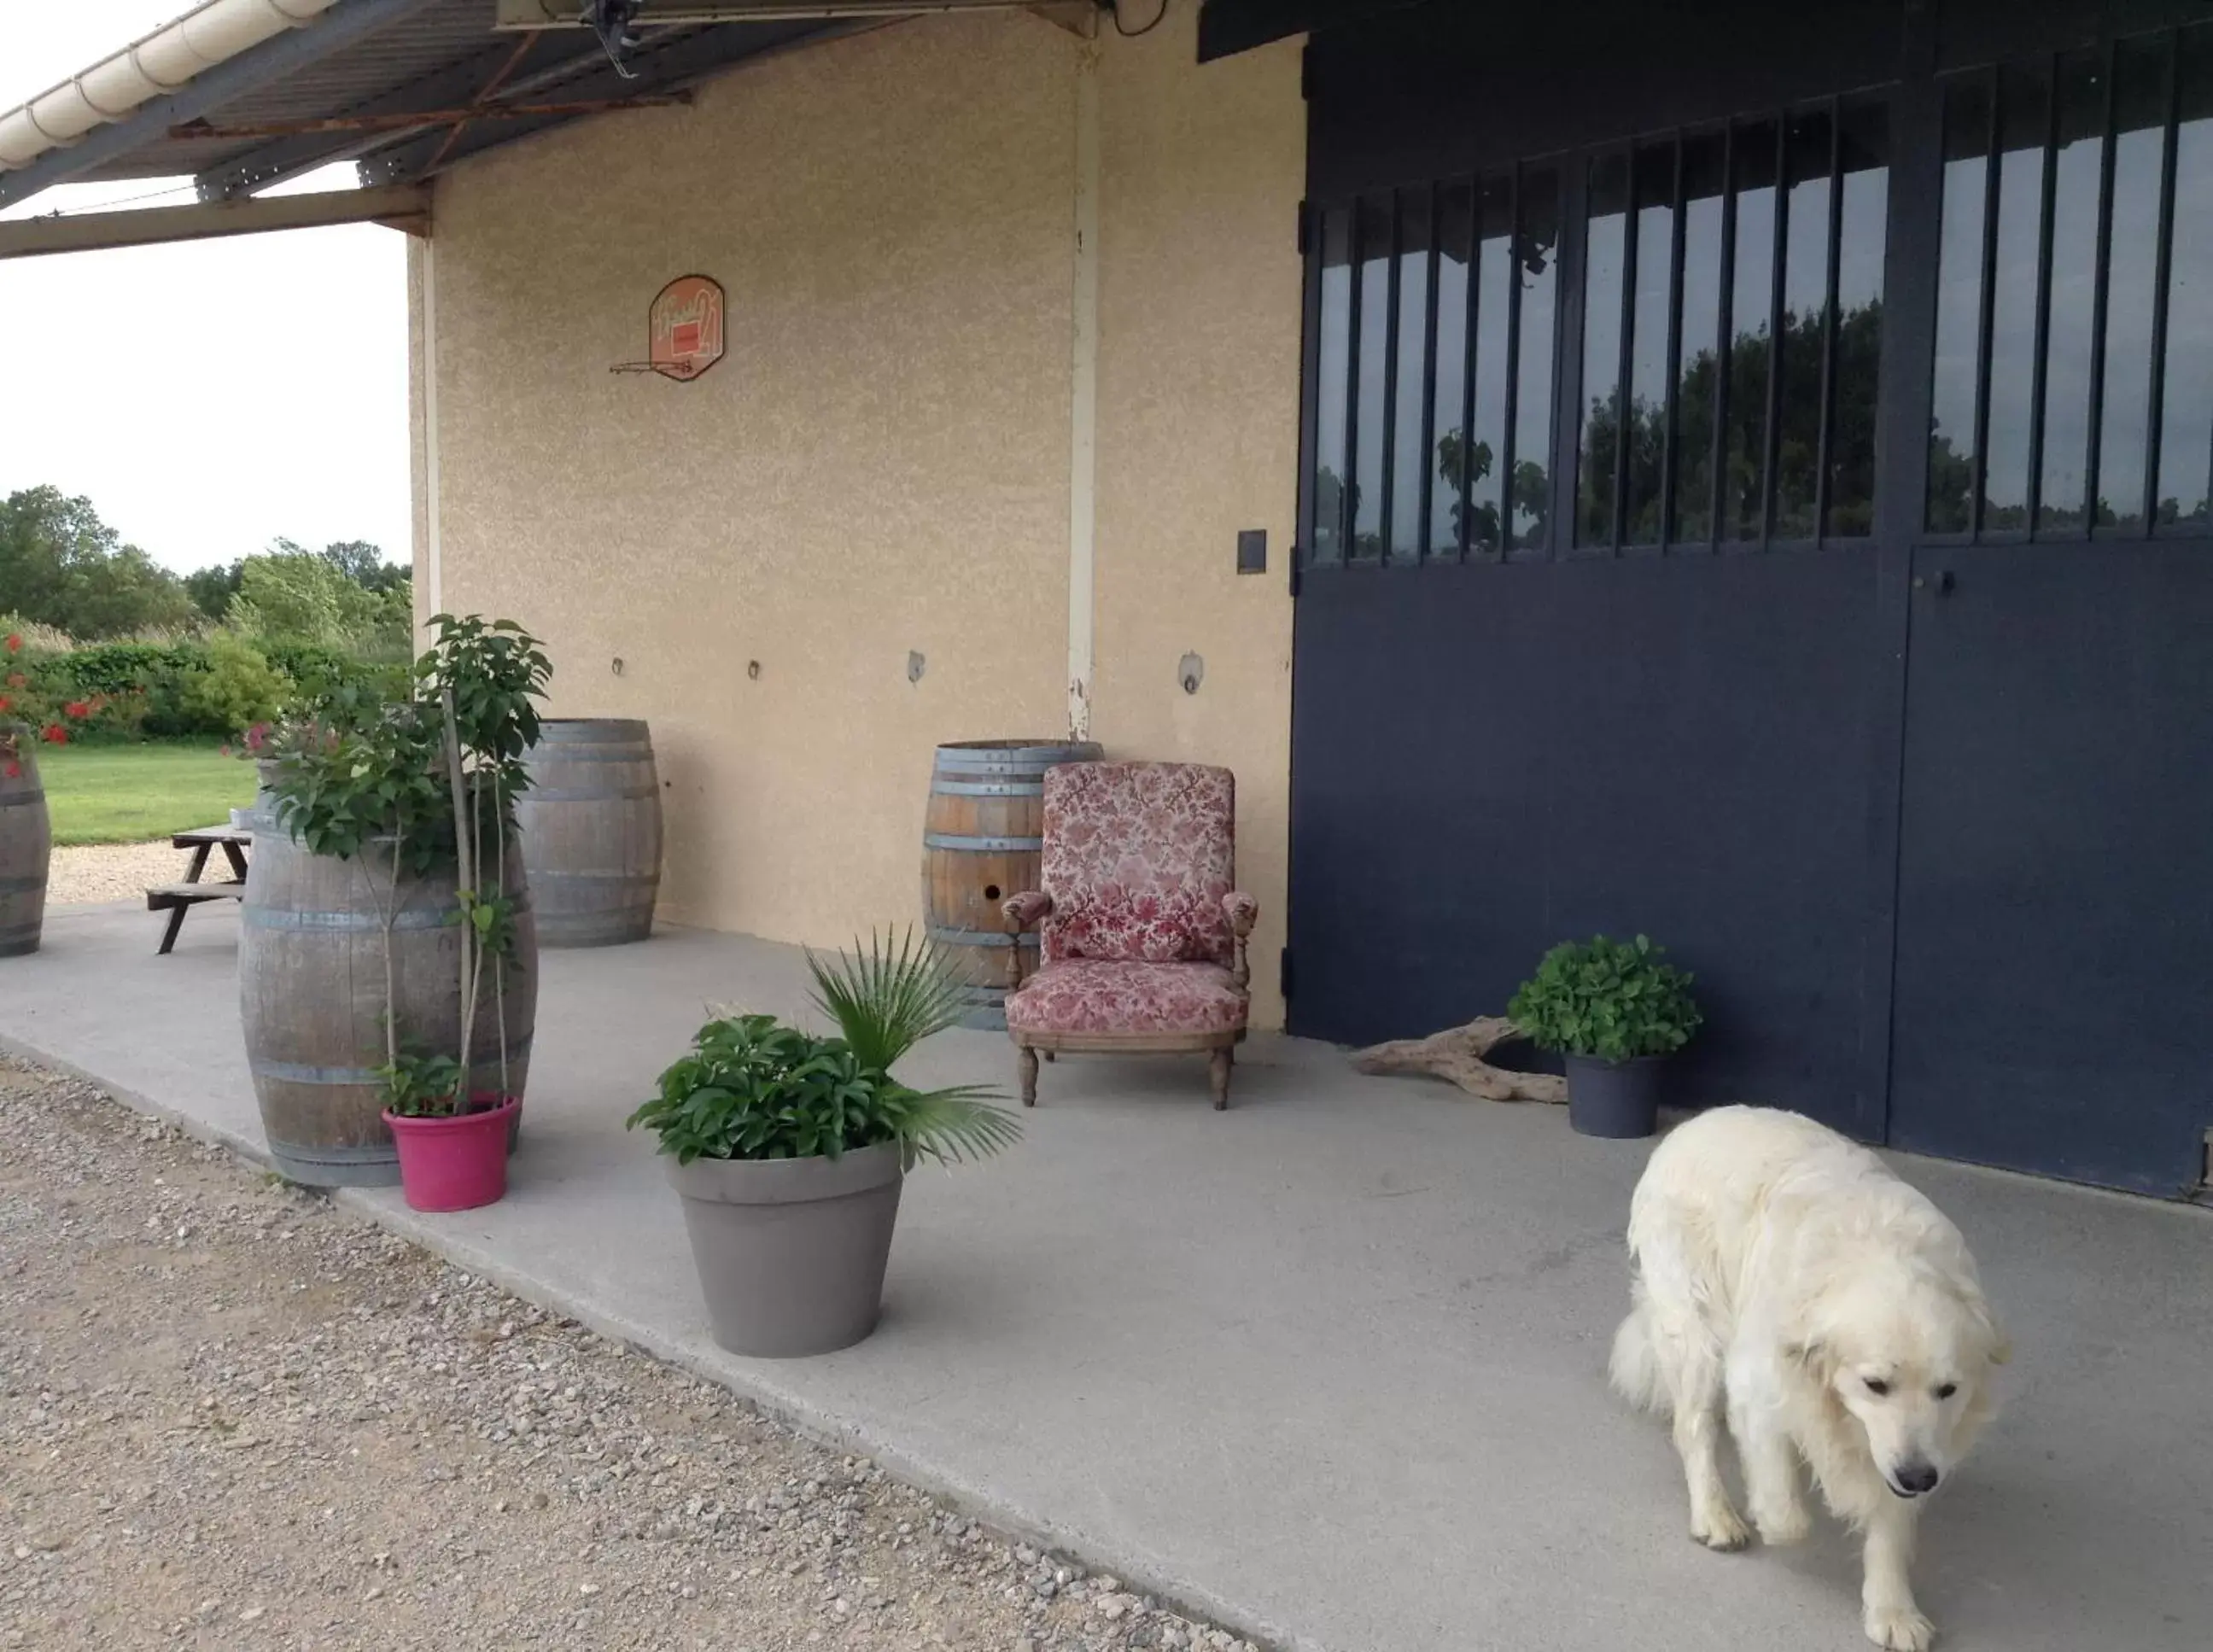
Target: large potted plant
(397, 866)
(1613, 1010)
(789, 1150)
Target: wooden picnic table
(178, 898)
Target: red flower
(14, 643)
(76, 709)
(5, 702)
(54, 734)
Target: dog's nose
(1914, 1480)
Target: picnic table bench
(178, 898)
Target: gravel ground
(236, 1415)
(120, 871)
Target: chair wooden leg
(1048, 1056)
(1217, 1072)
(1029, 1066)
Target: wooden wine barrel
(25, 840)
(980, 843)
(311, 993)
(591, 831)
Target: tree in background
(294, 595)
(214, 587)
(60, 565)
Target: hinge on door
(1295, 557)
(1302, 234)
(1306, 72)
(2204, 1192)
(1284, 974)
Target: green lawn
(130, 794)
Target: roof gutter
(280, 51)
(211, 34)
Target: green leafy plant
(1615, 1000)
(238, 689)
(753, 1088)
(422, 784)
(420, 1086)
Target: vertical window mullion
(1980, 481)
(1770, 440)
(2039, 364)
(1430, 378)
(2103, 267)
(1385, 517)
(1668, 432)
(1829, 320)
(1725, 335)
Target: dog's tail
(1635, 1368)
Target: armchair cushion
(1138, 858)
(1091, 996)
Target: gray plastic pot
(1619, 1100)
(791, 1251)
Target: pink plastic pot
(454, 1164)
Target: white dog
(1784, 1268)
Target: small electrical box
(1251, 550)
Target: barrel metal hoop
(23, 799)
(587, 795)
(987, 845)
(22, 886)
(976, 937)
(296, 1072)
(539, 877)
(988, 788)
(281, 917)
(580, 752)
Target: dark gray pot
(1618, 1099)
(791, 1251)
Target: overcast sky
(207, 396)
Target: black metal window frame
(1562, 455)
(1991, 77)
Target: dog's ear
(1810, 1353)
(2000, 1346)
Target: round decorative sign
(686, 325)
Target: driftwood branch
(1457, 1055)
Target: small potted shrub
(1613, 1010)
(789, 1150)
(420, 795)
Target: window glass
(1332, 360)
(1605, 248)
(2078, 165)
(1372, 346)
(1751, 303)
(1448, 406)
(1646, 416)
(1409, 466)
(2132, 277)
(1486, 457)
(1536, 275)
(1959, 307)
(2185, 441)
(2024, 122)
(1704, 180)
(1804, 323)
(1863, 220)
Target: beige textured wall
(1202, 170)
(880, 463)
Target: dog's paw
(1779, 1527)
(1900, 1629)
(1722, 1528)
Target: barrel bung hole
(990, 892)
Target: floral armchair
(1143, 936)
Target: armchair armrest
(1023, 912)
(1243, 912)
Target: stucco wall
(880, 464)
(1202, 170)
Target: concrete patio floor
(1328, 1367)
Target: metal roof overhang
(405, 89)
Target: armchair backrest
(1137, 857)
